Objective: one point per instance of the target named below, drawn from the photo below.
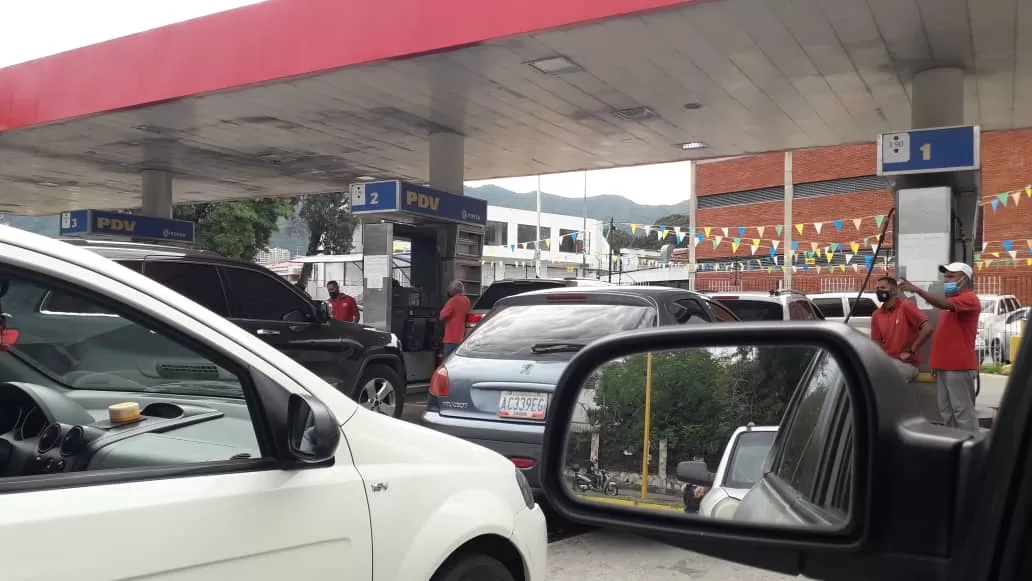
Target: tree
(236, 229)
(690, 406)
(327, 222)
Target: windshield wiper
(556, 347)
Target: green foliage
(236, 229)
(327, 223)
(699, 397)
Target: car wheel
(381, 390)
(474, 567)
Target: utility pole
(584, 232)
(612, 227)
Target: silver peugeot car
(494, 389)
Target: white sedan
(148, 438)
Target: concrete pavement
(609, 556)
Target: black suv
(360, 361)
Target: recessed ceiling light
(692, 145)
(555, 65)
(365, 178)
(635, 113)
(693, 106)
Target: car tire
(473, 567)
(381, 390)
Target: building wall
(1006, 167)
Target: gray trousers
(956, 391)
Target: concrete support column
(447, 162)
(157, 193)
(937, 98)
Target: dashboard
(44, 430)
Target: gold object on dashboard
(121, 413)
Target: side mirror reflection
(313, 434)
(747, 433)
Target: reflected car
(495, 388)
(740, 468)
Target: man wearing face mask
(343, 306)
(899, 327)
(953, 359)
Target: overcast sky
(31, 29)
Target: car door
(203, 500)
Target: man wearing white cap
(953, 359)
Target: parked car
(996, 337)
(995, 310)
(500, 289)
(206, 453)
(494, 390)
(360, 361)
(740, 468)
(835, 306)
(781, 305)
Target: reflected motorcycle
(601, 482)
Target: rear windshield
(750, 310)
(511, 332)
(746, 464)
(500, 290)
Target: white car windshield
(745, 466)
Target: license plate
(521, 404)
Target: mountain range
(599, 208)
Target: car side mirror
(322, 311)
(812, 499)
(313, 434)
(694, 472)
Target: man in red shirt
(953, 359)
(454, 316)
(899, 327)
(343, 307)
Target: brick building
(838, 205)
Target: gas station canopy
(306, 96)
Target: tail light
(522, 463)
(473, 318)
(439, 382)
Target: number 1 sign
(939, 150)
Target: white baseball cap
(957, 267)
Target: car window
(511, 332)
(720, 313)
(59, 302)
(754, 310)
(108, 353)
(865, 307)
(197, 282)
(263, 297)
(807, 431)
(689, 311)
(745, 467)
(1013, 304)
(500, 290)
(831, 307)
(988, 306)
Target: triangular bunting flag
(857, 222)
(855, 247)
(548, 242)
(995, 205)
(799, 228)
(707, 231)
(838, 225)
(634, 228)
(849, 258)
(734, 245)
(724, 230)
(760, 229)
(716, 241)
(1016, 196)
(753, 246)
(878, 220)
(817, 226)
(741, 230)
(1002, 198)
(774, 244)
(779, 229)
(1013, 253)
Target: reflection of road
(605, 556)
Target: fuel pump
(445, 232)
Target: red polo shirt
(896, 329)
(454, 316)
(953, 345)
(344, 308)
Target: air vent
(187, 371)
(49, 438)
(635, 114)
(72, 441)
